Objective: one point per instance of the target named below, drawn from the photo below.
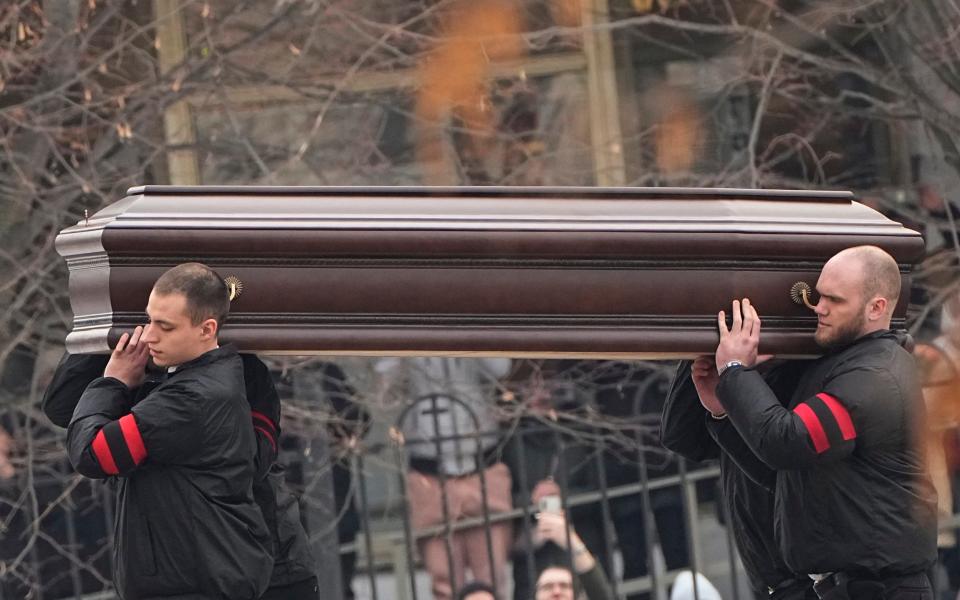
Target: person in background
(628, 394)
(452, 435)
(559, 548)
(548, 443)
(684, 588)
(322, 387)
(939, 362)
(477, 590)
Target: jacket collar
(900, 336)
(211, 356)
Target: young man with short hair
(186, 525)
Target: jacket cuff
(715, 426)
(727, 370)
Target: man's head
(858, 290)
(555, 583)
(187, 306)
(477, 590)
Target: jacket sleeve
(682, 426)
(264, 412)
(820, 429)
(72, 376)
(728, 438)
(106, 437)
(595, 584)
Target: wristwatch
(730, 363)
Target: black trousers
(915, 587)
(918, 588)
(801, 589)
(307, 589)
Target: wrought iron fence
(622, 493)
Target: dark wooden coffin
(586, 272)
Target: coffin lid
(498, 208)
(469, 270)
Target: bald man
(854, 507)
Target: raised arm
(102, 437)
(682, 426)
(823, 427)
(106, 437)
(103, 440)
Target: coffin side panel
(515, 307)
(347, 274)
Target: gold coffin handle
(800, 293)
(234, 285)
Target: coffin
(548, 272)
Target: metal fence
(592, 438)
(644, 514)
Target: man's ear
(876, 308)
(208, 329)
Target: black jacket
(851, 490)
(293, 560)
(186, 523)
(747, 483)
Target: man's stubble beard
(843, 335)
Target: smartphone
(550, 504)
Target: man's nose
(147, 334)
(820, 308)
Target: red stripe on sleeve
(131, 435)
(102, 452)
(268, 434)
(262, 417)
(814, 428)
(841, 414)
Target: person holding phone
(558, 581)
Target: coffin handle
(234, 286)
(800, 293)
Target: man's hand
(128, 362)
(703, 372)
(741, 341)
(544, 487)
